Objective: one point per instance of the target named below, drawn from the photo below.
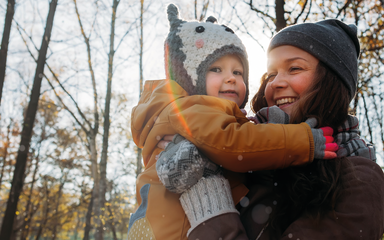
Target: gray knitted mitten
(181, 165)
(270, 115)
(209, 198)
(325, 148)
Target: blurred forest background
(70, 73)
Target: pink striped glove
(325, 148)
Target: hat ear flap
(211, 19)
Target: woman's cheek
(268, 94)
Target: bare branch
(309, 10)
(65, 106)
(249, 34)
(379, 118)
(343, 8)
(250, 3)
(366, 117)
(62, 87)
(86, 40)
(126, 33)
(302, 11)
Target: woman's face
(290, 73)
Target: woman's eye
(215, 69)
(270, 77)
(292, 69)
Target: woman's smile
(285, 101)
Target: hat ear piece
(211, 19)
(173, 13)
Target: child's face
(224, 79)
(290, 73)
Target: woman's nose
(279, 82)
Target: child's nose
(230, 78)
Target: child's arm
(222, 133)
(181, 164)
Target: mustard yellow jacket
(221, 131)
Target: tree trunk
(56, 214)
(104, 153)
(5, 154)
(5, 41)
(111, 222)
(87, 227)
(47, 209)
(19, 172)
(25, 231)
(355, 102)
(25, 228)
(138, 158)
(91, 135)
(280, 20)
(96, 183)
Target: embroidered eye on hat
(331, 41)
(191, 47)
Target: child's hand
(164, 141)
(271, 115)
(325, 148)
(181, 165)
(253, 119)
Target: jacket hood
(157, 94)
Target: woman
(312, 73)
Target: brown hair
(258, 101)
(311, 190)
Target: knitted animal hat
(191, 47)
(331, 41)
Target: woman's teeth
(283, 101)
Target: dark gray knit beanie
(191, 47)
(331, 41)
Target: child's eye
(238, 73)
(215, 69)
